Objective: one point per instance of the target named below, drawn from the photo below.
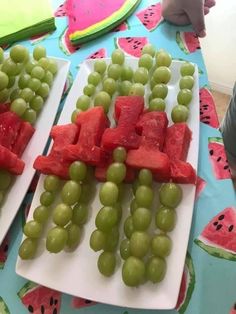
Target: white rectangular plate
(76, 273)
(34, 148)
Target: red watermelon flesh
(208, 114)
(182, 172)
(25, 133)
(38, 299)
(233, 309)
(218, 158)
(151, 17)
(99, 54)
(122, 27)
(10, 161)
(131, 45)
(200, 186)
(122, 101)
(3, 251)
(4, 108)
(10, 125)
(79, 303)
(218, 238)
(187, 41)
(61, 10)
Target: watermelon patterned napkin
(25, 18)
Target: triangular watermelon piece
(131, 46)
(208, 114)
(188, 42)
(200, 186)
(122, 27)
(79, 303)
(151, 17)
(101, 53)
(61, 10)
(65, 45)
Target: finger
(206, 10)
(209, 3)
(197, 19)
(177, 19)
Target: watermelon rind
(218, 140)
(215, 251)
(3, 307)
(26, 288)
(180, 43)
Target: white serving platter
(76, 272)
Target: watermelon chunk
(188, 42)
(99, 54)
(218, 238)
(200, 186)
(208, 114)
(3, 252)
(187, 285)
(127, 111)
(10, 161)
(131, 46)
(4, 108)
(182, 172)
(3, 307)
(151, 17)
(25, 133)
(10, 124)
(39, 299)
(79, 303)
(218, 158)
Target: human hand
(184, 12)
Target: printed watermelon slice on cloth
(60, 11)
(38, 299)
(35, 40)
(65, 44)
(233, 309)
(218, 238)
(200, 186)
(218, 158)
(188, 42)
(101, 53)
(131, 45)
(208, 114)
(78, 303)
(151, 16)
(122, 27)
(99, 17)
(187, 285)
(3, 252)
(3, 307)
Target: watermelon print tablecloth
(209, 280)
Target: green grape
(28, 249)
(170, 194)
(27, 94)
(106, 218)
(162, 75)
(36, 103)
(152, 83)
(97, 240)
(144, 196)
(133, 271)
(51, 183)
(119, 154)
(34, 84)
(184, 97)
(39, 52)
(47, 198)
(71, 192)
(78, 171)
(161, 245)
(145, 177)
(109, 85)
(118, 57)
(89, 90)
(141, 76)
(149, 49)
(133, 206)
(14, 94)
(9, 67)
(56, 239)
(135, 185)
(124, 88)
(119, 210)
(116, 172)
(37, 72)
(139, 244)
(1, 55)
(157, 104)
(53, 68)
(44, 63)
(30, 116)
(137, 89)
(145, 61)
(128, 227)
(62, 214)
(83, 102)
(125, 249)
(106, 263)
(160, 91)
(108, 193)
(112, 240)
(80, 214)
(24, 80)
(74, 115)
(4, 80)
(126, 73)
(19, 68)
(43, 90)
(187, 69)
(1, 197)
(179, 113)
(186, 82)
(163, 59)
(4, 95)
(100, 66)
(74, 235)
(11, 81)
(41, 214)
(48, 78)
(94, 78)
(18, 106)
(165, 219)
(102, 99)
(32, 229)
(114, 71)
(29, 66)
(87, 191)
(141, 219)
(156, 269)
(5, 179)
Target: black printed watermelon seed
(221, 217)
(5, 248)
(54, 311)
(231, 228)
(234, 306)
(42, 309)
(55, 301)
(31, 309)
(215, 223)
(219, 227)
(211, 152)
(51, 301)
(226, 167)
(88, 301)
